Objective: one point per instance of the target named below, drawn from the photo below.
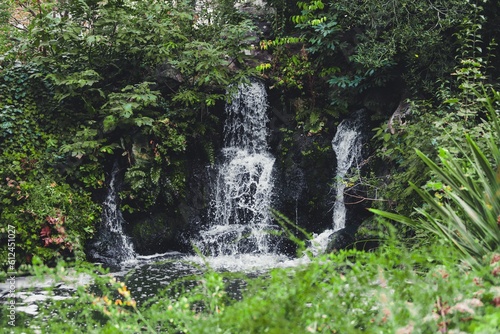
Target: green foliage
(391, 290)
(396, 153)
(407, 34)
(457, 108)
(86, 82)
(124, 109)
(356, 292)
(207, 63)
(343, 54)
(104, 61)
(51, 220)
(290, 71)
(462, 201)
(362, 46)
(12, 26)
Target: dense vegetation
(86, 83)
(390, 291)
(79, 88)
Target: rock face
(154, 232)
(170, 227)
(305, 172)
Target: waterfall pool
(146, 275)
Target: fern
(135, 178)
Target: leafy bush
(51, 220)
(388, 291)
(463, 199)
(454, 109)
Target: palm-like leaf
(469, 216)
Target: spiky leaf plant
(466, 211)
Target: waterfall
(347, 146)
(112, 245)
(240, 209)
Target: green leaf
(109, 123)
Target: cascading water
(240, 213)
(347, 145)
(112, 245)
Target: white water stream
(240, 214)
(347, 146)
(112, 244)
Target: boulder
(340, 239)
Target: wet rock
(341, 239)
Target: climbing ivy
(51, 218)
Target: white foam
(319, 242)
(157, 255)
(347, 147)
(241, 262)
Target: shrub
(463, 201)
(51, 220)
(391, 291)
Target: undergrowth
(392, 290)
